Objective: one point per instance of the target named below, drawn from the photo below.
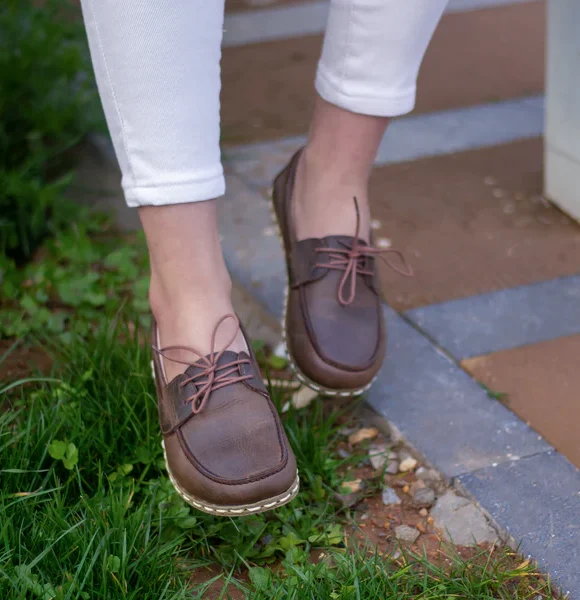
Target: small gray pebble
(378, 455)
(404, 533)
(429, 476)
(424, 497)
(390, 497)
(461, 521)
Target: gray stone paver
(258, 322)
(461, 522)
(299, 19)
(537, 501)
(251, 246)
(505, 319)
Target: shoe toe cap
(231, 472)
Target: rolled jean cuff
(193, 190)
(386, 104)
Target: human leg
(157, 67)
(367, 73)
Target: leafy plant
(66, 452)
(48, 103)
(86, 276)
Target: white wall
(562, 160)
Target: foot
(190, 284)
(334, 324)
(225, 447)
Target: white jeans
(157, 64)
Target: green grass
(105, 520)
(363, 574)
(86, 509)
(66, 532)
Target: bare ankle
(168, 299)
(323, 201)
(189, 318)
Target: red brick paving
(542, 386)
(471, 223)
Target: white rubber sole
(238, 510)
(282, 384)
(323, 391)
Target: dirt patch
(22, 360)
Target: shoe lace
(351, 261)
(216, 377)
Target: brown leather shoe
(226, 450)
(333, 320)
